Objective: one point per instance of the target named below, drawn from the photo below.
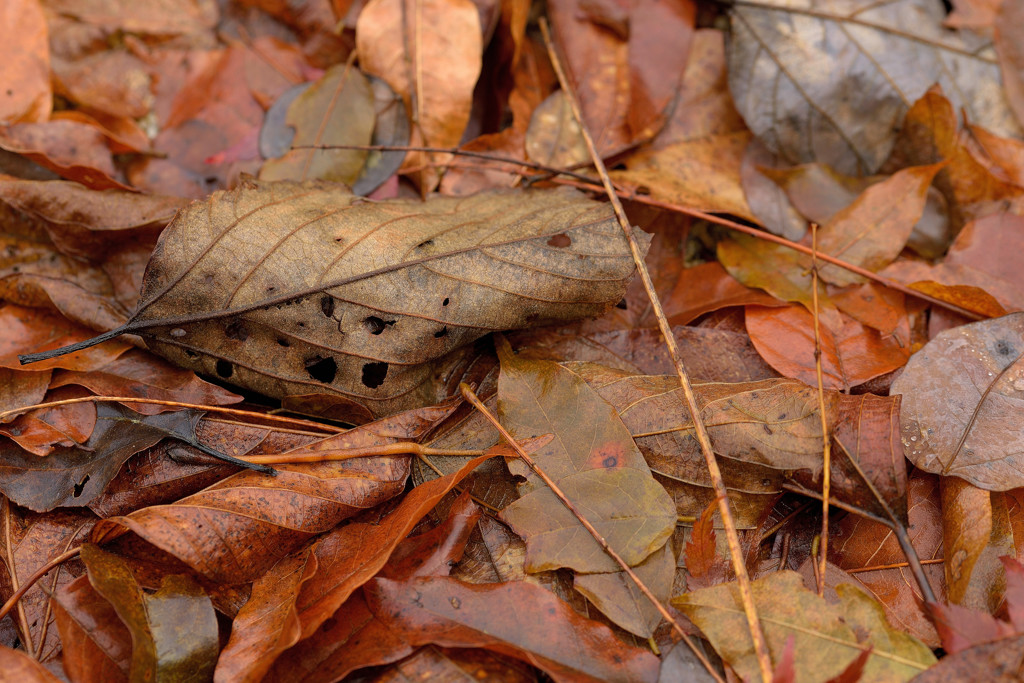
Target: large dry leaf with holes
(963, 404)
(830, 81)
(297, 289)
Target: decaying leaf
(174, 630)
(296, 289)
(963, 402)
(794, 66)
(826, 637)
(593, 459)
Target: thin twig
(584, 182)
(532, 464)
(894, 565)
(401, 448)
(39, 573)
(548, 171)
(721, 494)
(178, 404)
(12, 571)
(826, 476)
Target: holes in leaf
(376, 325)
(283, 342)
(224, 369)
(560, 240)
(321, 369)
(190, 354)
(327, 305)
(623, 305)
(443, 332)
(446, 301)
(80, 486)
(236, 330)
(374, 374)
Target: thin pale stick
(585, 183)
(402, 448)
(39, 573)
(532, 464)
(894, 565)
(826, 474)
(732, 537)
(12, 571)
(178, 404)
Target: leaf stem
(401, 448)
(532, 464)
(721, 494)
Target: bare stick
(735, 551)
(826, 475)
(177, 404)
(532, 464)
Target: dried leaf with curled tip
(289, 288)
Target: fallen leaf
(700, 549)
(619, 598)
(961, 404)
(446, 35)
(353, 324)
(235, 530)
(336, 110)
(827, 637)
(999, 660)
(515, 618)
(19, 665)
(872, 231)
(593, 459)
(71, 149)
(554, 137)
(778, 58)
(858, 543)
(174, 630)
(976, 533)
(850, 354)
(1007, 29)
(97, 645)
(437, 663)
(26, 60)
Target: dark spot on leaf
(446, 301)
(236, 330)
(782, 416)
(271, 288)
(283, 342)
(767, 429)
(560, 240)
(224, 369)
(623, 305)
(327, 305)
(376, 325)
(424, 243)
(80, 486)
(610, 461)
(443, 332)
(321, 369)
(301, 323)
(189, 353)
(374, 374)
(1004, 348)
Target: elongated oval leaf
(293, 289)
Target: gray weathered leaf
(830, 80)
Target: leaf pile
(350, 212)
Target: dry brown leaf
(963, 404)
(430, 52)
(298, 289)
